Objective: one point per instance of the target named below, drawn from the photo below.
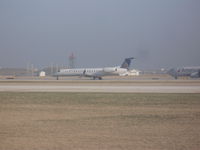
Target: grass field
(60, 121)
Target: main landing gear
(100, 78)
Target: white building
(42, 74)
(132, 72)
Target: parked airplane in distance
(96, 73)
(193, 72)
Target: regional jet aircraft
(96, 73)
(193, 72)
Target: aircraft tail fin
(126, 63)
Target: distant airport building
(132, 72)
(42, 74)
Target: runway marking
(101, 88)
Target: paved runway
(118, 89)
(134, 87)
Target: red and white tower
(72, 61)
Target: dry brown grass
(60, 121)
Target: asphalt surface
(118, 87)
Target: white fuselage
(92, 72)
(96, 72)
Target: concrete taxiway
(102, 86)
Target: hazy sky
(159, 33)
